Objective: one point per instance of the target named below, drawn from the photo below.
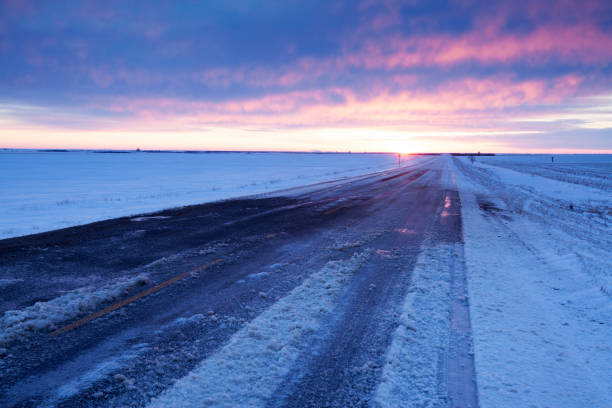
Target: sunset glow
(331, 76)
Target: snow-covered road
(443, 283)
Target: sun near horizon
(359, 76)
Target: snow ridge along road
(383, 290)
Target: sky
(329, 75)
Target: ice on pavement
(100, 371)
(46, 315)
(78, 374)
(42, 191)
(5, 282)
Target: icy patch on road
(46, 315)
(271, 269)
(9, 282)
(413, 364)
(100, 371)
(150, 217)
(196, 318)
(247, 371)
(257, 275)
(76, 375)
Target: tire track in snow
(344, 366)
(429, 362)
(416, 357)
(249, 368)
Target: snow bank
(247, 370)
(46, 315)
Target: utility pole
(398, 160)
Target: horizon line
(111, 150)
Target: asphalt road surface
(290, 299)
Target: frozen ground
(444, 283)
(42, 191)
(584, 169)
(538, 249)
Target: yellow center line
(333, 210)
(131, 299)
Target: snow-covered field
(593, 170)
(42, 191)
(538, 249)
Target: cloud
(488, 103)
(446, 66)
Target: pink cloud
(486, 44)
(464, 103)
(583, 42)
(469, 105)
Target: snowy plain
(42, 191)
(538, 250)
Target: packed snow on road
(446, 282)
